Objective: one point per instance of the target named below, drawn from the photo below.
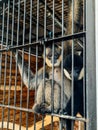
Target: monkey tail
(75, 19)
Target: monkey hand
(44, 108)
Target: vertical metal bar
(53, 17)
(24, 22)
(62, 88)
(45, 14)
(84, 61)
(10, 59)
(90, 66)
(62, 76)
(16, 69)
(43, 98)
(22, 62)
(96, 36)
(18, 21)
(1, 53)
(72, 101)
(52, 90)
(37, 28)
(37, 32)
(44, 53)
(20, 121)
(30, 32)
(2, 41)
(84, 15)
(52, 93)
(5, 70)
(7, 24)
(16, 74)
(29, 54)
(72, 55)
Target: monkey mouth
(53, 62)
(56, 63)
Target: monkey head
(49, 55)
(78, 70)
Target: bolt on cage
(26, 27)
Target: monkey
(49, 55)
(43, 103)
(76, 15)
(45, 90)
(48, 66)
(48, 76)
(45, 106)
(78, 106)
(78, 75)
(78, 70)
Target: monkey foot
(44, 109)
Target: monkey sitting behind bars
(45, 107)
(78, 74)
(44, 97)
(48, 72)
(48, 67)
(48, 93)
(78, 95)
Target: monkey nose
(55, 61)
(74, 75)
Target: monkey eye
(56, 56)
(49, 55)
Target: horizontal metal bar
(59, 39)
(8, 48)
(67, 37)
(70, 117)
(57, 115)
(16, 108)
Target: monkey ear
(81, 75)
(67, 74)
(60, 46)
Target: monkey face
(77, 74)
(49, 56)
(78, 70)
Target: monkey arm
(30, 79)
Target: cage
(43, 44)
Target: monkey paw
(62, 112)
(36, 108)
(45, 109)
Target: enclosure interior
(26, 27)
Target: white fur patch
(81, 75)
(67, 74)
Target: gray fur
(43, 97)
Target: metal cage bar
(96, 35)
(90, 66)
